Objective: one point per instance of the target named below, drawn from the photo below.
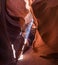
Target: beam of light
(27, 31)
(13, 50)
